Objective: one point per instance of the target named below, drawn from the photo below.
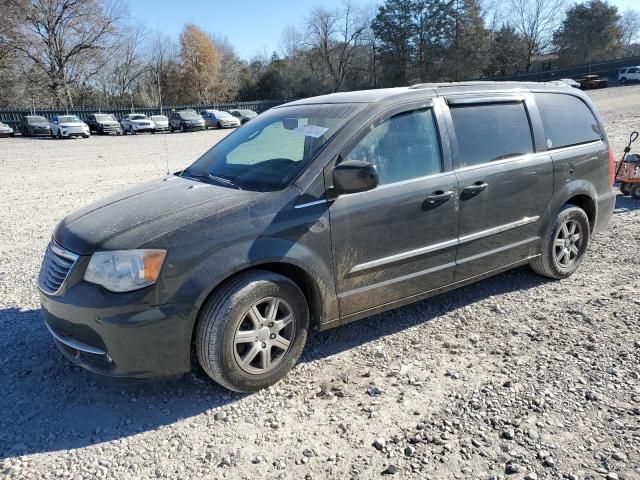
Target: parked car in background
(571, 82)
(135, 123)
(186, 120)
(629, 74)
(104, 123)
(243, 115)
(219, 119)
(6, 130)
(161, 122)
(35, 126)
(324, 211)
(67, 126)
(593, 81)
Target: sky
(253, 27)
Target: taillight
(612, 167)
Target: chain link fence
(13, 116)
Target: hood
(73, 124)
(140, 121)
(136, 216)
(108, 123)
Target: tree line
(67, 53)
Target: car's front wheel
(252, 331)
(564, 244)
(635, 191)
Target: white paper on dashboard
(310, 131)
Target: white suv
(629, 74)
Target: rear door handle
(438, 198)
(476, 188)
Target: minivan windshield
(270, 151)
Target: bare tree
(535, 21)
(333, 36)
(630, 26)
(127, 62)
(60, 36)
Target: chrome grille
(55, 268)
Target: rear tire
(625, 188)
(564, 244)
(247, 363)
(635, 191)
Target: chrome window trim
(310, 204)
(442, 245)
(529, 156)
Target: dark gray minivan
(324, 211)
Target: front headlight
(125, 270)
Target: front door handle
(436, 199)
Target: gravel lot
(514, 377)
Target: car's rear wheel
(625, 188)
(564, 244)
(252, 331)
(635, 191)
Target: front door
(504, 185)
(399, 239)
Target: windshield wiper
(215, 178)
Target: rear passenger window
(403, 147)
(567, 120)
(490, 132)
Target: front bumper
(194, 127)
(119, 340)
(74, 132)
(105, 129)
(37, 132)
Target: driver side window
(403, 147)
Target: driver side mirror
(353, 176)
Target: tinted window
(402, 147)
(567, 120)
(486, 133)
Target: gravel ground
(513, 377)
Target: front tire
(252, 331)
(635, 191)
(564, 244)
(182, 129)
(623, 81)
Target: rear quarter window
(567, 120)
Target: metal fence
(604, 69)
(13, 116)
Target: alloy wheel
(567, 243)
(264, 335)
